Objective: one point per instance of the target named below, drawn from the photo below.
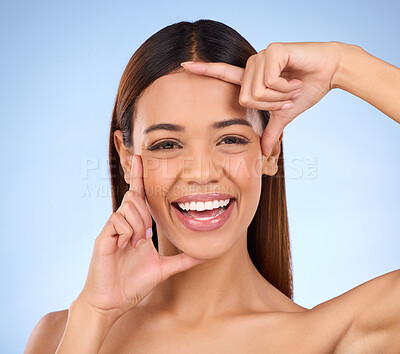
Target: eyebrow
(179, 128)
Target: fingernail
(297, 94)
(149, 232)
(139, 242)
(187, 62)
(126, 242)
(287, 106)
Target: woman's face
(197, 157)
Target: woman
(196, 256)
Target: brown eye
(234, 140)
(165, 145)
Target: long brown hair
(208, 41)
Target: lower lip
(205, 225)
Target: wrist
(104, 316)
(85, 331)
(344, 52)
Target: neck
(223, 286)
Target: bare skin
(334, 326)
(225, 305)
(350, 323)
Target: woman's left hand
(272, 79)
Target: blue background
(60, 68)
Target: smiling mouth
(202, 215)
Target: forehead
(182, 97)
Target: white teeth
(200, 206)
(208, 205)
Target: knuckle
(252, 57)
(259, 58)
(273, 46)
(270, 81)
(130, 194)
(113, 218)
(244, 100)
(258, 94)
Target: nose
(201, 168)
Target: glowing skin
(202, 160)
(197, 164)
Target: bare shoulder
(47, 333)
(364, 319)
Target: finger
(271, 95)
(140, 206)
(276, 59)
(139, 243)
(144, 214)
(265, 106)
(118, 226)
(271, 134)
(246, 96)
(222, 71)
(259, 91)
(136, 178)
(137, 185)
(144, 241)
(132, 215)
(171, 265)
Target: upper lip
(203, 197)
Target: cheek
(244, 171)
(243, 168)
(157, 178)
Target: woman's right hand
(120, 277)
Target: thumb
(178, 263)
(271, 135)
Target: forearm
(371, 79)
(85, 330)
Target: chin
(204, 249)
